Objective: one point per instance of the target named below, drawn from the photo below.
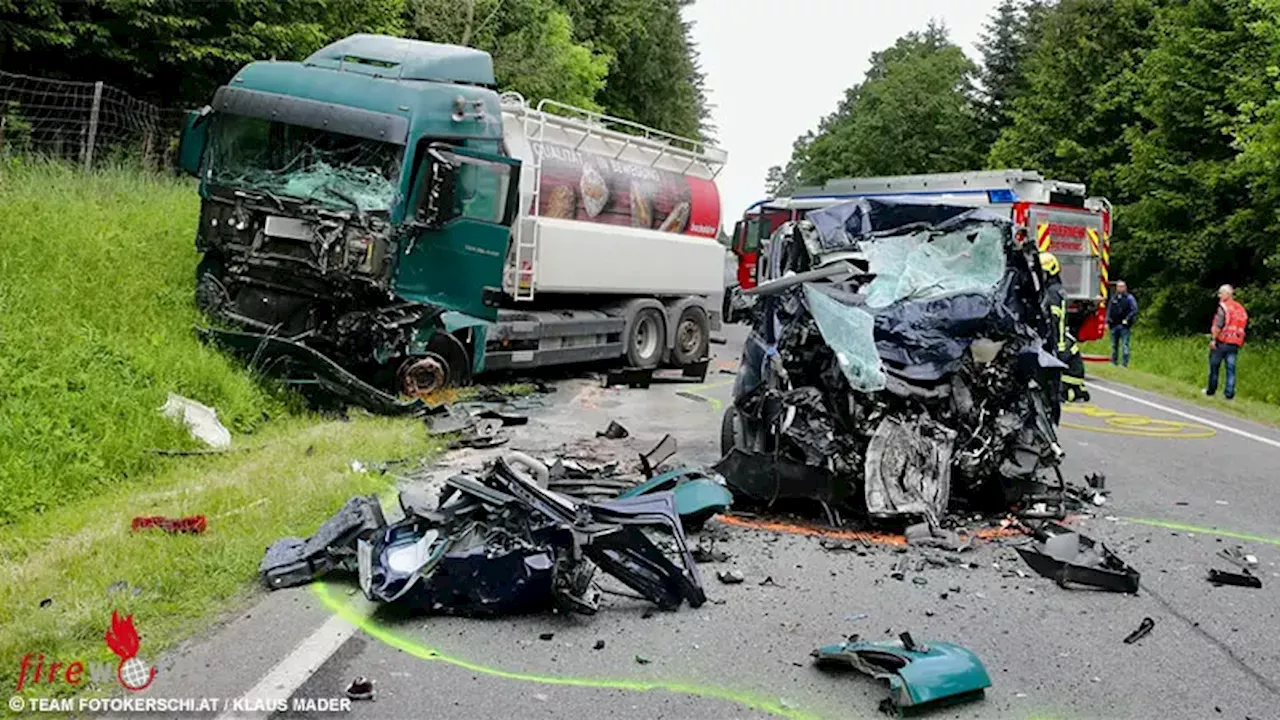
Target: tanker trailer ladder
(526, 239)
(608, 128)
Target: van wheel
(693, 336)
(730, 430)
(646, 339)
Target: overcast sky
(776, 67)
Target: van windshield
(317, 166)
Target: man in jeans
(1228, 335)
(1121, 313)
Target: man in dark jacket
(1121, 313)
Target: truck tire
(693, 336)
(646, 338)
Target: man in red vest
(1228, 335)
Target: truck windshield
(317, 166)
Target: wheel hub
(423, 376)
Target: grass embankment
(96, 280)
(1179, 367)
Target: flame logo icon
(122, 638)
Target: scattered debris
(1237, 556)
(485, 433)
(859, 616)
(1144, 628)
(1241, 579)
(1097, 481)
(920, 580)
(919, 674)
(201, 420)
(698, 496)
(1069, 557)
(768, 582)
(927, 534)
(692, 396)
(46, 603)
(357, 467)
(707, 553)
(360, 688)
(192, 525)
(658, 454)
(908, 365)
(642, 660)
(121, 586)
(547, 636)
(731, 577)
(631, 377)
(900, 569)
(615, 431)
(598, 646)
(293, 561)
(499, 543)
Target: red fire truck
(1058, 215)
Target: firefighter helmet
(1049, 264)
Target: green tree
(1007, 40)
(1081, 92)
(1194, 220)
(914, 113)
(532, 43)
(654, 78)
(177, 51)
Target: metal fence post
(93, 124)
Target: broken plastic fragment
(201, 420)
(917, 673)
(1144, 628)
(360, 688)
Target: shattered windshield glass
(850, 333)
(925, 265)
(340, 171)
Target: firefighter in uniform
(1061, 343)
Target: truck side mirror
(195, 136)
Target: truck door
(463, 204)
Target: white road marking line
(1189, 416)
(278, 685)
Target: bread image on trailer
(635, 259)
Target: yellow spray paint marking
(1118, 423)
(700, 391)
(410, 646)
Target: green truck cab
(355, 214)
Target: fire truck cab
(1057, 216)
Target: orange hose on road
(880, 538)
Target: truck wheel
(646, 339)
(693, 336)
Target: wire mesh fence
(84, 122)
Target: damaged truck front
(896, 367)
(353, 213)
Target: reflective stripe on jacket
(1235, 318)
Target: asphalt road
(1182, 488)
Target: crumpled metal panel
(908, 468)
